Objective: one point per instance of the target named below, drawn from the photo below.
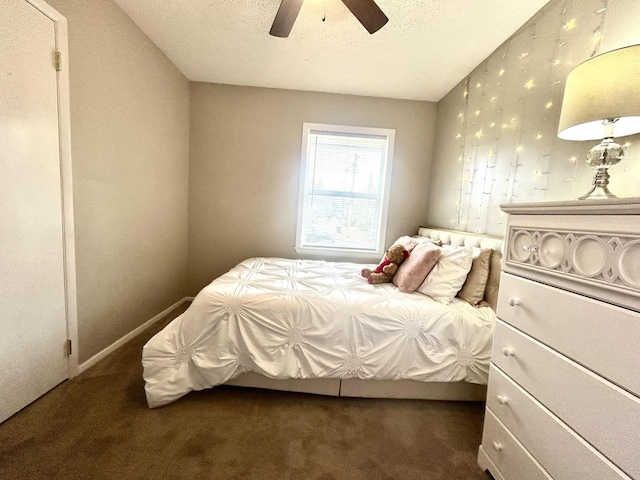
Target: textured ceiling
(427, 47)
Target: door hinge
(68, 348)
(58, 61)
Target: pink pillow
(416, 267)
(407, 242)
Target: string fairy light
(625, 166)
(518, 123)
(540, 175)
(574, 160)
(458, 210)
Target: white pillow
(447, 277)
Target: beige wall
(245, 165)
(498, 144)
(130, 149)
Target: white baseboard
(114, 346)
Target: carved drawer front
(534, 426)
(598, 264)
(609, 258)
(609, 336)
(511, 459)
(602, 413)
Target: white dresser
(563, 400)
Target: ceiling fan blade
(368, 13)
(285, 18)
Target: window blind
(344, 190)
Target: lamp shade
(604, 87)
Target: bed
(319, 327)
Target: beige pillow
(474, 286)
(416, 267)
(491, 290)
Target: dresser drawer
(595, 255)
(534, 426)
(609, 336)
(507, 454)
(602, 413)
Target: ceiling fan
(366, 11)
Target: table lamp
(602, 101)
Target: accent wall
(496, 138)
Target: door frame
(66, 179)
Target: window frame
(389, 133)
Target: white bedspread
(307, 319)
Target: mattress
(300, 319)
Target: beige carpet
(98, 426)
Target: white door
(33, 328)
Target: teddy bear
(384, 272)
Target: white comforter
(307, 319)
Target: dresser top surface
(612, 206)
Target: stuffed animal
(387, 268)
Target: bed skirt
(354, 387)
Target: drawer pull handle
(497, 446)
(502, 400)
(530, 248)
(514, 302)
(508, 352)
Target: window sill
(340, 252)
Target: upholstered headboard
(467, 239)
(457, 238)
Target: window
(344, 189)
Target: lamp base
(601, 157)
(597, 193)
